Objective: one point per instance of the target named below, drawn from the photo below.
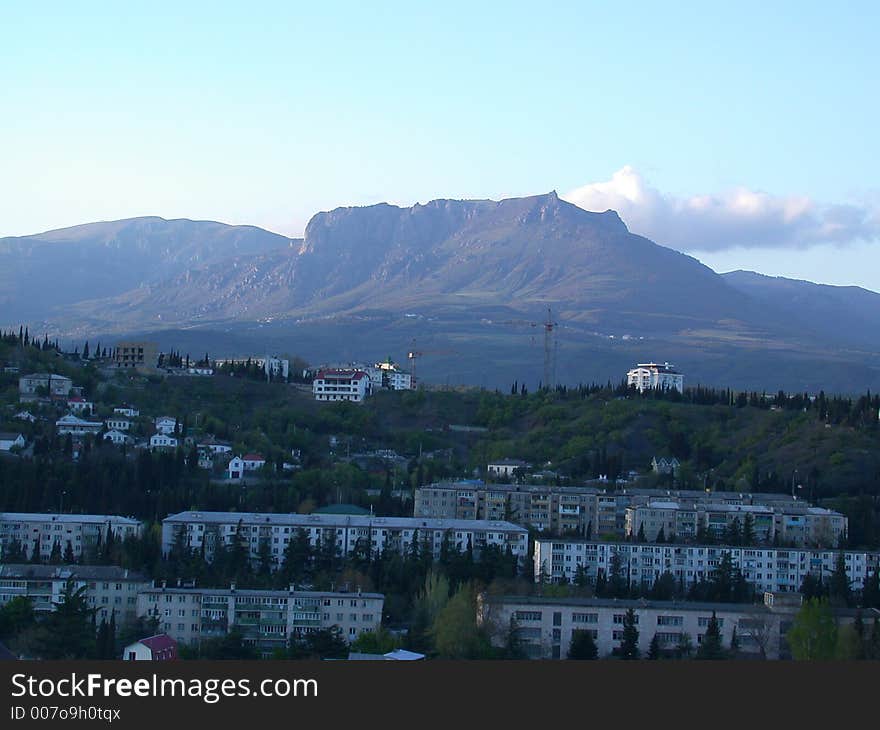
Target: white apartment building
(778, 570)
(505, 468)
(203, 530)
(389, 375)
(77, 426)
(81, 531)
(652, 375)
(109, 588)
(544, 626)
(336, 384)
(268, 619)
(118, 424)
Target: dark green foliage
(583, 646)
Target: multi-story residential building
(268, 619)
(136, 355)
(335, 384)
(780, 570)
(83, 532)
(162, 441)
(77, 426)
(35, 386)
(118, 424)
(204, 530)
(388, 375)
(591, 510)
(544, 626)
(109, 589)
(652, 375)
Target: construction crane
(414, 354)
(550, 344)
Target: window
(527, 615)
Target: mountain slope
(464, 256)
(838, 314)
(43, 272)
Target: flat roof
(267, 593)
(632, 603)
(325, 520)
(83, 572)
(55, 517)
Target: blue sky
(745, 134)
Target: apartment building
(109, 589)
(77, 426)
(652, 375)
(268, 619)
(544, 626)
(35, 386)
(83, 532)
(136, 355)
(591, 510)
(204, 530)
(336, 384)
(779, 570)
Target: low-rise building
(268, 619)
(203, 531)
(25, 416)
(158, 648)
(37, 386)
(118, 423)
(9, 441)
(77, 426)
(127, 411)
(78, 404)
(165, 425)
(161, 441)
(505, 468)
(118, 438)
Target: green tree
(629, 642)
(67, 632)
(454, 633)
(710, 646)
(838, 588)
(813, 634)
(582, 646)
(654, 648)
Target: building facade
(655, 376)
(204, 530)
(334, 384)
(136, 355)
(35, 386)
(267, 619)
(83, 532)
(109, 589)
(779, 570)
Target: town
(260, 507)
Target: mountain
(42, 274)
(469, 277)
(839, 314)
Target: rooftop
(55, 517)
(81, 572)
(633, 603)
(327, 520)
(266, 593)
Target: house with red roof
(334, 384)
(158, 648)
(238, 465)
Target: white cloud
(739, 218)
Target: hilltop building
(655, 376)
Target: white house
(215, 447)
(162, 441)
(235, 468)
(252, 462)
(152, 649)
(78, 404)
(166, 425)
(117, 437)
(203, 371)
(25, 416)
(77, 426)
(118, 424)
(505, 467)
(336, 384)
(127, 411)
(10, 441)
(654, 376)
